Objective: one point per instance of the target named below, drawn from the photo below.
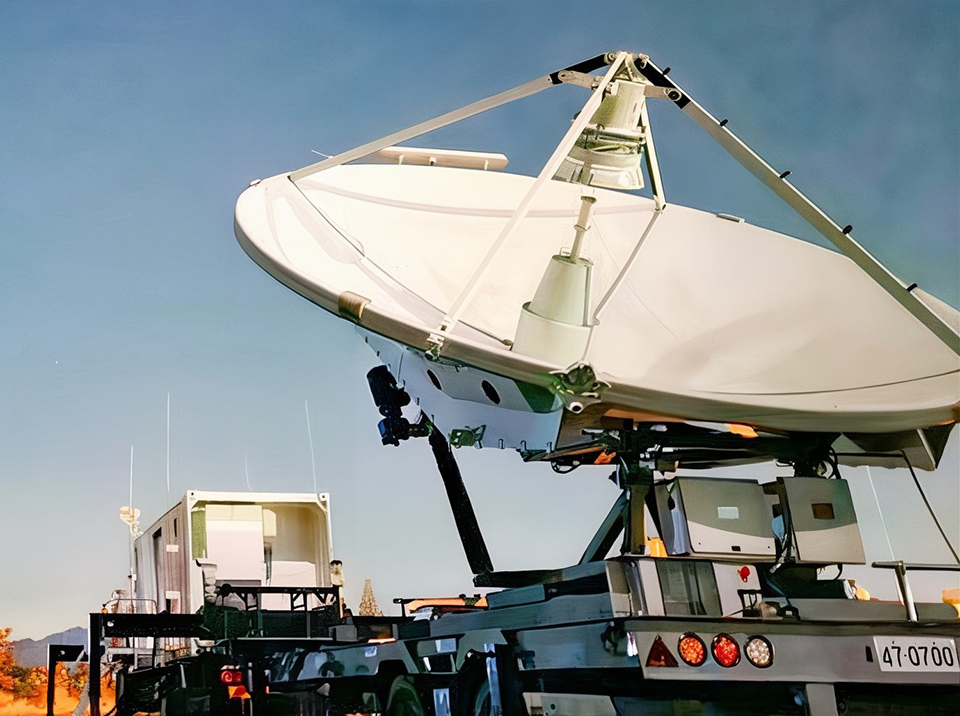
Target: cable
(834, 464)
(787, 546)
(930, 509)
(839, 571)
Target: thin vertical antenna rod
(246, 472)
(923, 496)
(883, 524)
(168, 448)
(133, 537)
(131, 477)
(313, 458)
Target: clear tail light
(759, 651)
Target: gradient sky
(129, 129)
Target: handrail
(900, 569)
(131, 606)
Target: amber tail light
(692, 649)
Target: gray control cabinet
(823, 523)
(715, 518)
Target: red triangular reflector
(660, 654)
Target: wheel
(403, 699)
(470, 694)
(479, 702)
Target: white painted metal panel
(235, 542)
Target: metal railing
(900, 569)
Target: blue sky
(129, 129)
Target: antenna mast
(129, 515)
(168, 447)
(313, 459)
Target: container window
(198, 532)
(822, 511)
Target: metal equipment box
(823, 523)
(715, 518)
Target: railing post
(94, 651)
(904, 586)
(51, 675)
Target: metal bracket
(655, 92)
(434, 355)
(578, 386)
(571, 77)
(467, 437)
(435, 343)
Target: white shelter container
(252, 539)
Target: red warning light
(660, 655)
(744, 573)
(726, 651)
(230, 676)
(692, 649)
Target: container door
(235, 543)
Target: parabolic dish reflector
(524, 313)
(715, 319)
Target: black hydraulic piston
(473, 545)
(394, 428)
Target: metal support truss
(816, 217)
(549, 169)
(607, 533)
(465, 518)
(474, 108)
(660, 87)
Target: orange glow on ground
(64, 703)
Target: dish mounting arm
(567, 74)
(816, 217)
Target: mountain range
(32, 652)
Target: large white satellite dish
(461, 278)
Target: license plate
(916, 654)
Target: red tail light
(726, 651)
(692, 649)
(231, 676)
